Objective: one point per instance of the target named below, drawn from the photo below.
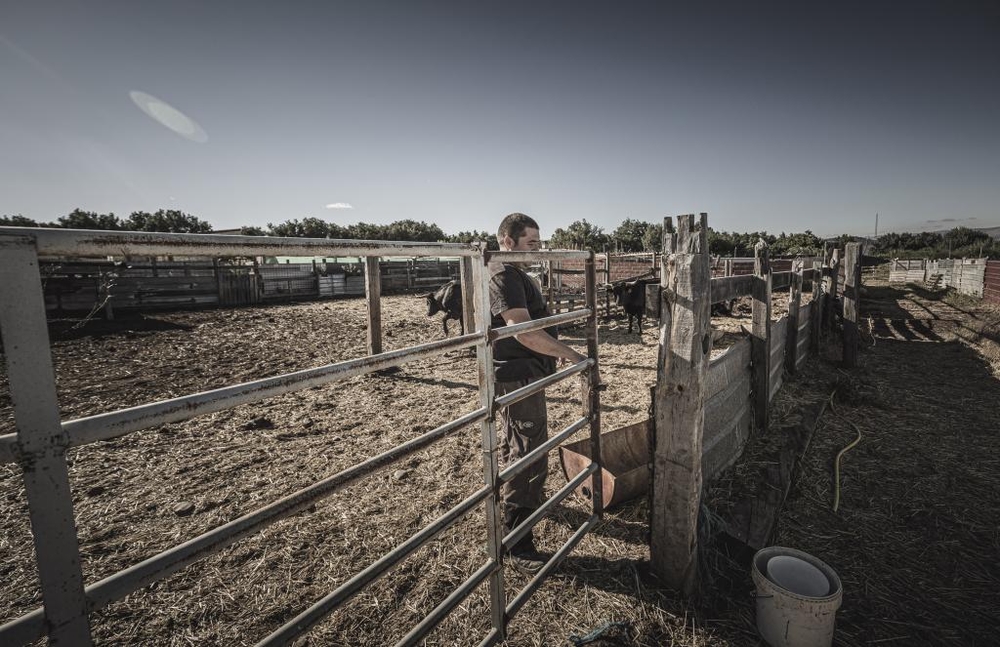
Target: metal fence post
(591, 396)
(491, 469)
(373, 291)
(41, 442)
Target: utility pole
(876, 224)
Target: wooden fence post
(373, 290)
(852, 283)
(792, 335)
(550, 289)
(468, 294)
(679, 418)
(816, 309)
(607, 281)
(830, 286)
(760, 341)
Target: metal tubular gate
(42, 439)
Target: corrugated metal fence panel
(289, 281)
(779, 333)
(164, 291)
(81, 285)
(991, 282)
(727, 409)
(417, 274)
(239, 287)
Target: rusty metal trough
(626, 454)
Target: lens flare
(169, 116)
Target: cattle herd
(630, 296)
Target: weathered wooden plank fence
(705, 411)
(964, 275)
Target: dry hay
(128, 492)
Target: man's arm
(538, 340)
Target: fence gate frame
(42, 440)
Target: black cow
(631, 297)
(447, 299)
(724, 308)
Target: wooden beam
(468, 294)
(373, 290)
(607, 279)
(781, 280)
(830, 285)
(731, 287)
(816, 310)
(679, 418)
(852, 284)
(760, 340)
(792, 336)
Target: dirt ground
(143, 493)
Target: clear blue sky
(781, 117)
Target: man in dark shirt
(516, 298)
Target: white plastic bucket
(800, 615)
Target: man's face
(529, 241)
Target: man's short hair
(514, 224)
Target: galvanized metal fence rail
(42, 439)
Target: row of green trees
(411, 230)
(630, 236)
(167, 220)
(638, 236)
(960, 242)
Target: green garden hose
(836, 461)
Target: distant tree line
(960, 242)
(630, 236)
(166, 220)
(638, 236)
(409, 230)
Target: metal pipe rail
(538, 324)
(541, 384)
(42, 439)
(442, 610)
(522, 529)
(302, 622)
(511, 471)
(104, 426)
(515, 605)
(85, 242)
(31, 626)
(534, 257)
(522, 597)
